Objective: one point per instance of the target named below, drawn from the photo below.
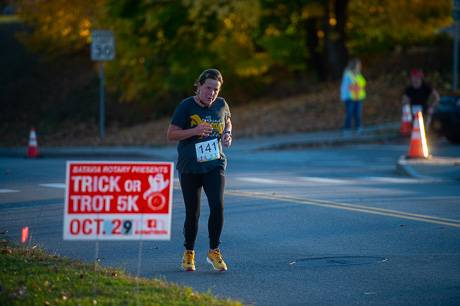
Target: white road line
(349, 207)
(324, 180)
(8, 190)
(176, 184)
(331, 181)
(53, 185)
(259, 180)
(423, 198)
(395, 180)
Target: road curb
(332, 142)
(414, 167)
(404, 167)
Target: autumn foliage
(162, 45)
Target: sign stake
(101, 102)
(139, 264)
(96, 259)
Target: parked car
(446, 118)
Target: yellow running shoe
(188, 261)
(215, 259)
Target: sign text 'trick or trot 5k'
(118, 201)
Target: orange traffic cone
(25, 234)
(406, 121)
(418, 147)
(32, 150)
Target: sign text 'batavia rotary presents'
(118, 201)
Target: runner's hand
(203, 129)
(227, 139)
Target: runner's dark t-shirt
(419, 96)
(189, 114)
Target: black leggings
(213, 184)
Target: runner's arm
(227, 136)
(176, 133)
(434, 97)
(228, 126)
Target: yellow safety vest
(358, 87)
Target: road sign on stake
(102, 45)
(102, 49)
(118, 200)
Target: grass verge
(30, 276)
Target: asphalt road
(324, 226)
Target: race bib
(207, 150)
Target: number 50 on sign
(103, 45)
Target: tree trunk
(335, 53)
(315, 58)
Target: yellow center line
(349, 207)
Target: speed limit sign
(103, 45)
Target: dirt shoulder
(313, 111)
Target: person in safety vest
(352, 94)
(420, 95)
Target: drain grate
(337, 261)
